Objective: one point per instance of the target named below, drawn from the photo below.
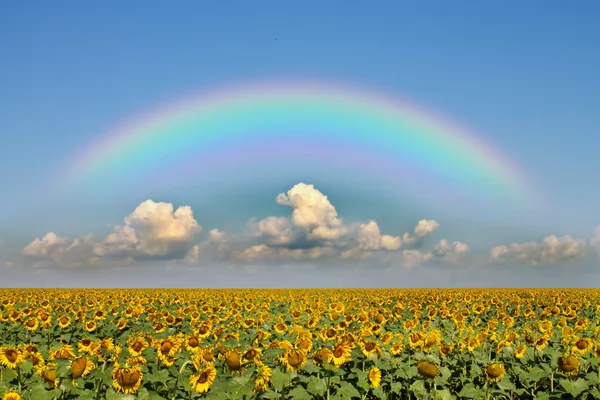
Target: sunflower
(340, 354)
(127, 380)
(64, 321)
(280, 328)
(136, 345)
(11, 396)
(370, 348)
(252, 354)
(48, 375)
(90, 326)
(85, 346)
(191, 344)
(208, 354)
(261, 384)
(569, 365)
(293, 359)
(81, 367)
(495, 371)
(321, 356)
(445, 349)
(138, 360)
(427, 369)
(202, 380)
(375, 377)
(204, 331)
(542, 342)
(432, 339)
(415, 339)
(583, 345)
(11, 357)
(31, 324)
(121, 323)
(396, 347)
(520, 352)
(233, 360)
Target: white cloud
(450, 252)
(152, 230)
(412, 257)
(551, 250)
(262, 251)
(595, 241)
(274, 231)
(214, 247)
(312, 212)
(61, 251)
(425, 227)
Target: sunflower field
(299, 344)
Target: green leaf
(280, 379)
(39, 392)
(470, 392)
(27, 366)
(443, 395)
(537, 373)
(396, 387)
(299, 393)
(270, 395)
(574, 388)
(347, 390)
(418, 387)
(378, 392)
(3, 388)
(316, 386)
(506, 384)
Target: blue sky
(524, 76)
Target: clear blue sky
(523, 75)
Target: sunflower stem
(19, 377)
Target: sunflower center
(137, 346)
(203, 378)
(203, 329)
(330, 333)
(581, 344)
(128, 378)
(250, 354)
(338, 352)
(166, 347)
(31, 322)
(11, 355)
(78, 367)
(369, 346)
(192, 342)
(294, 358)
(64, 320)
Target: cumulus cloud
(152, 230)
(551, 250)
(62, 251)
(262, 251)
(275, 231)
(451, 252)
(595, 241)
(411, 258)
(214, 247)
(312, 212)
(316, 230)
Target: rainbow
(269, 129)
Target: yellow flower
(81, 367)
(583, 345)
(11, 357)
(202, 380)
(495, 371)
(427, 369)
(340, 354)
(520, 352)
(11, 396)
(569, 365)
(127, 380)
(375, 377)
